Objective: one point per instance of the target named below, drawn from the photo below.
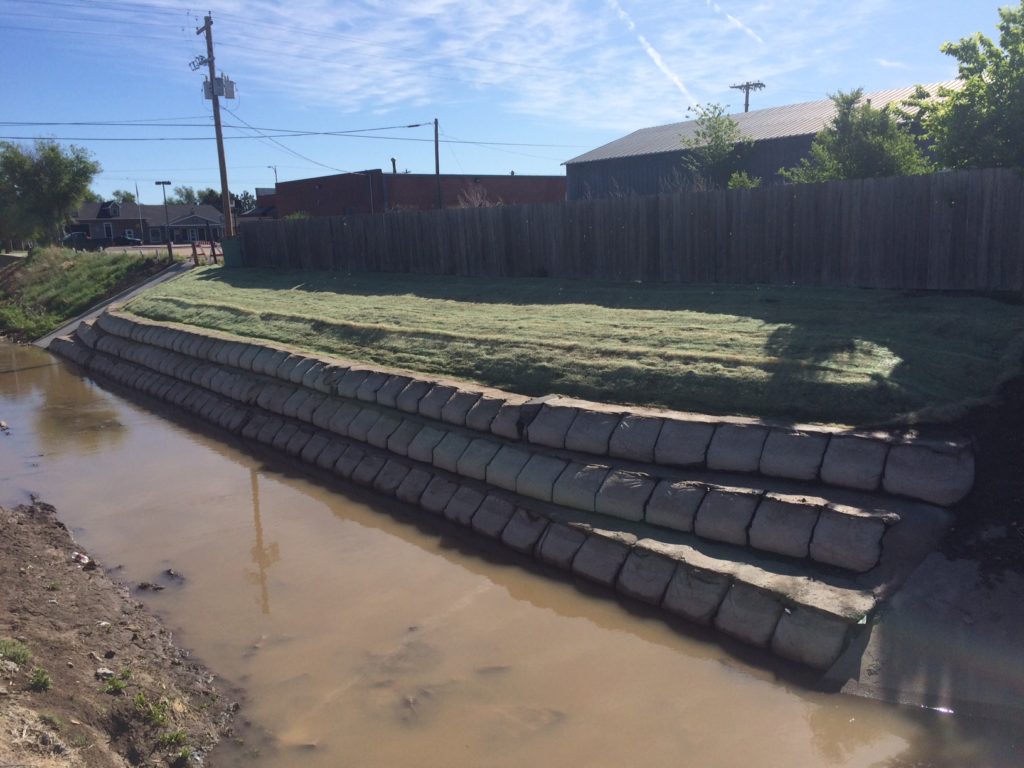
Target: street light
(275, 174)
(167, 221)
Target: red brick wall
(351, 193)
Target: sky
(516, 85)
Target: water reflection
(263, 555)
(69, 415)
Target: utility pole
(225, 195)
(437, 165)
(167, 220)
(747, 87)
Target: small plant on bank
(172, 739)
(40, 680)
(153, 712)
(12, 650)
(183, 758)
(52, 721)
(115, 686)
(53, 586)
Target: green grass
(833, 356)
(115, 686)
(53, 285)
(13, 650)
(40, 680)
(171, 739)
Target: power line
(336, 134)
(135, 124)
(289, 150)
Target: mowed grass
(53, 285)
(832, 356)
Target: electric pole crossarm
(747, 87)
(225, 195)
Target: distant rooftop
(759, 124)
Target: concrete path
(171, 272)
(949, 639)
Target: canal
(365, 636)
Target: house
(374, 191)
(648, 161)
(107, 220)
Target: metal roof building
(647, 161)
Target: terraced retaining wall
(784, 537)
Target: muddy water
(362, 639)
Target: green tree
(209, 196)
(244, 201)
(184, 196)
(859, 142)
(123, 196)
(715, 149)
(40, 186)
(982, 124)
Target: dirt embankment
(87, 676)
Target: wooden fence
(960, 230)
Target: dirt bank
(87, 676)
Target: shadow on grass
(935, 350)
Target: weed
(12, 650)
(52, 285)
(40, 680)
(183, 758)
(52, 721)
(115, 686)
(53, 586)
(153, 712)
(171, 739)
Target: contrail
(652, 52)
(734, 21)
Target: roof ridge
(779, 121)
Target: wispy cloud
(733, 20)
(564, 61)
(652, 52)
(888, 64)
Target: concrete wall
(711, 519)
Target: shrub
(40, 680)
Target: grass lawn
(833, 356)
(53, 285)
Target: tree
(123, 196)
(91, 196)
(184, 196)
(209, 196)
(715, 149)
(40, 185)
(982, 124)
(859, 142)
(245, 201)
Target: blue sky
(517, 85)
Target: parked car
(80, 241)
(125, 240)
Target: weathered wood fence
(959, 230)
